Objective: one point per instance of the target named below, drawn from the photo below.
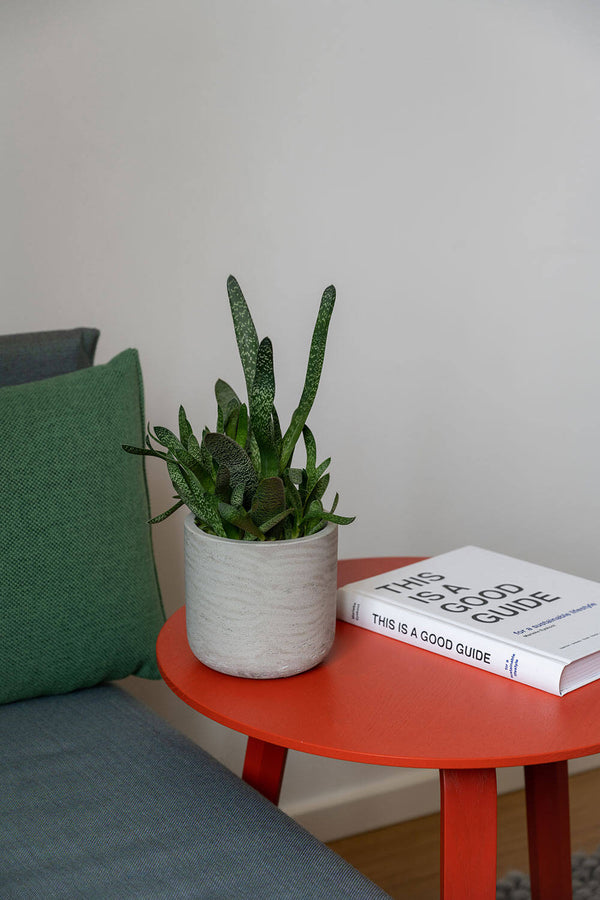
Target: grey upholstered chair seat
(100, 798)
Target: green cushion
(43, 354)
(79, 596)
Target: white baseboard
(406, 794)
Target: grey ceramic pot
(260, 609)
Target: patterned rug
(586, 880)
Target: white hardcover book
(519, 620)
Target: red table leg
(469, 832)
(547, 792)
(263, 767)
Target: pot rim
(191, 525)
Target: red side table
(376, 700)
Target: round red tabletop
(377, 700)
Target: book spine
(383, 616)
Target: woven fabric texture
(79, 596)
(44, 354)
(102, 800)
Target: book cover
(516, 619)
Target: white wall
(437, 161)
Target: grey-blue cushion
(32, 356)
(102, 800)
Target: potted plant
(260, 546)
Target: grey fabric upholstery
(37, 355)
(100, 799)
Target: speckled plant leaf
(223, 484)
(185, 429)
(314, 526)
(227, 399)
(144, 451)
(165, 515)
(166, 437)
(229, 455)
(311, 452)
(276, 433)
(314, 509)
(322, 468)
(201, 504)
(262, 397)
(318, 490)
(276, 520)
(188, 459)
(292, 495)
(241, 433)
(312, 472)
(294, 502)
(313, 376)
(253, 450)
(245, 332)
(231, 423)
(338, 520)
(205, 457)
(269, 500)
(237, 496)
(241, 519)
(194, 449)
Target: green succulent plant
(238, 480)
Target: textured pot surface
(260, 609)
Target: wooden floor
(404, 859)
